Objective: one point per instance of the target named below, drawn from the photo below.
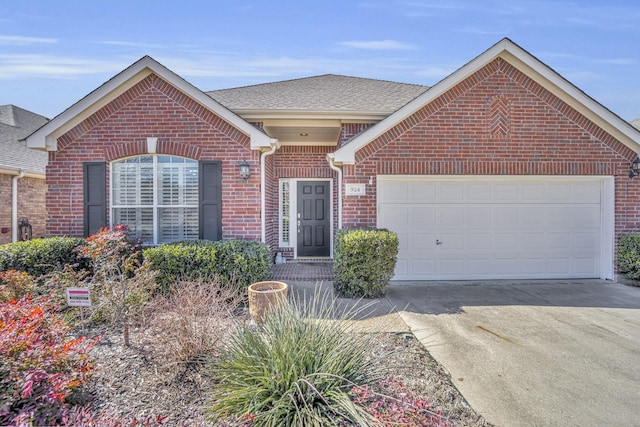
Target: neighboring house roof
(326, 93)
(521, 60)
(635, 123)
(46, 137)
(15, 125)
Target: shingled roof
(326, 93)
(15, 125)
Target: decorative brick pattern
(499, 117)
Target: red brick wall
(154, 108)
(31, 205)
(496, 122)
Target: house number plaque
(355, 189)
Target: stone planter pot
(265, 296)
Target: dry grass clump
(194, 318)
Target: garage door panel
(478, 241)
(422, 192)
(422, 216)
(395, 217)
(532, 192)
(559, 241)
(478, 192)
(449, 216)
(585, 242)
(421, 241)
(586, 192)
(559, 266)
(451, 192)
(530, 217)
(423, 267)
(394, 192)
(586, 266)
(494, 229)
(505, 216)
(505, 192)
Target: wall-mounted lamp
(635, 168)
(245, 171)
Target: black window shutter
(210, 212)
(95, 196)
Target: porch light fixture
(244, 170)
(635, 168)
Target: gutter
(14, 205)
(331, 159)
(275, 144)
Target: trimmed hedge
(364, 262)
(233, 262)
(629, 255)
(39, 257)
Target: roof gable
(526, 63)
(46, 137)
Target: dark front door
(313, 220)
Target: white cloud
(617, 61)
(21, 40)
(48, 66)
(378, 45)
(125, 43)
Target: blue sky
(53, 53)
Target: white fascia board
(525, 62)
(14, 171)
(45, 137)
(343, 116)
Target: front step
(307, 270)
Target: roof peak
(316, 77)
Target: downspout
(275, 144)
(333, 166)
(14, 205)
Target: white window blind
(157, 197)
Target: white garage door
(492, 228)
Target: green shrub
(297, 369)
(364, 262)
(629, 255)
(233, 262)
(39, 257)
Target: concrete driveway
(533, 353)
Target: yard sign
(79, 297)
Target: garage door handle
(438, 242)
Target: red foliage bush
(392, 405)
(41, 366)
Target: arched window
(157, 197)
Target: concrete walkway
(537, 353)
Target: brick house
(22, 180)
(504, 169)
